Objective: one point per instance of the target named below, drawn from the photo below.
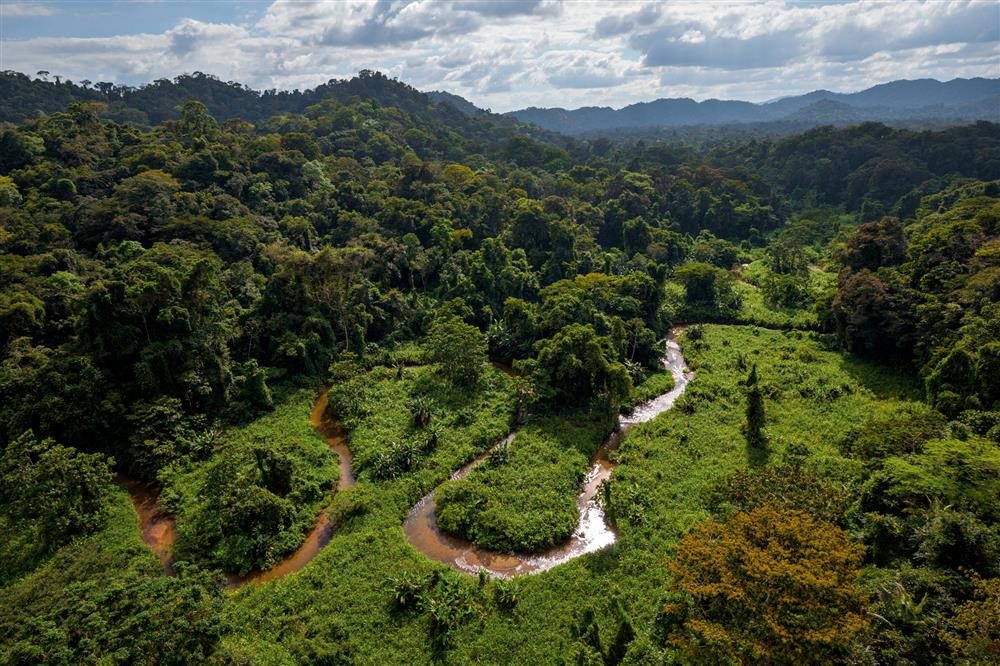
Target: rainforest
(357, 376)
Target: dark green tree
(62, 490)
(459, 348)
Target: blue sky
(507, 54)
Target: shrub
(505, 594)
(406, 589)
(973, 633)
(420, 411)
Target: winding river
(158, 531)
(592, 531)
(321, 532)
(156, 526)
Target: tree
(131, 618)
(860, 308)
(458, 348)
(875, 244)
(772, 585)
(699, 282)
(706, 286)
(573, 368)
(753, 429)
(973, 633)
(64, 491)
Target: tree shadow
(758, 456)
(886, 380)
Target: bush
(787, 486)
(903, 430)
(420, 411)
(505, 594)
(64, 492)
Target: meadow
(667, 470)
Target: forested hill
(23, 97)
(924, 101)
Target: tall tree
(459, 349)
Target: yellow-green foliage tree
(974, 631)
(769, 586)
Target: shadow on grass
(604, 561)
(758, 456)
(885, 380)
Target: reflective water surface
(592, 532)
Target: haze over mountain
(921, 103)
(959, 100)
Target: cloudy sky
(508, 54)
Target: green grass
(523, 497)
(374, 407)
(814, 397)
(811, 399)
(103, 559)
(756, 310)
(652, 385)
(343, 600)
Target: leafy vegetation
(768, 585)
(250, 503)
(176, 282)
(523, 496)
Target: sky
(510, 54)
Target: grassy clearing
(523, 497)
(814, 397)
(652, 385)
(388, 441)
(117, 547)
(756, 309)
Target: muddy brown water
(156, 527)
(159, 532)
(593, 532)
(322, 531)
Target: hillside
(23, 98)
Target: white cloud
(513, 54)
(19, 9)
(190, 36)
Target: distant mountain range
(959, 100)
(923, 103)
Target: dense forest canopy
(183, 265)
